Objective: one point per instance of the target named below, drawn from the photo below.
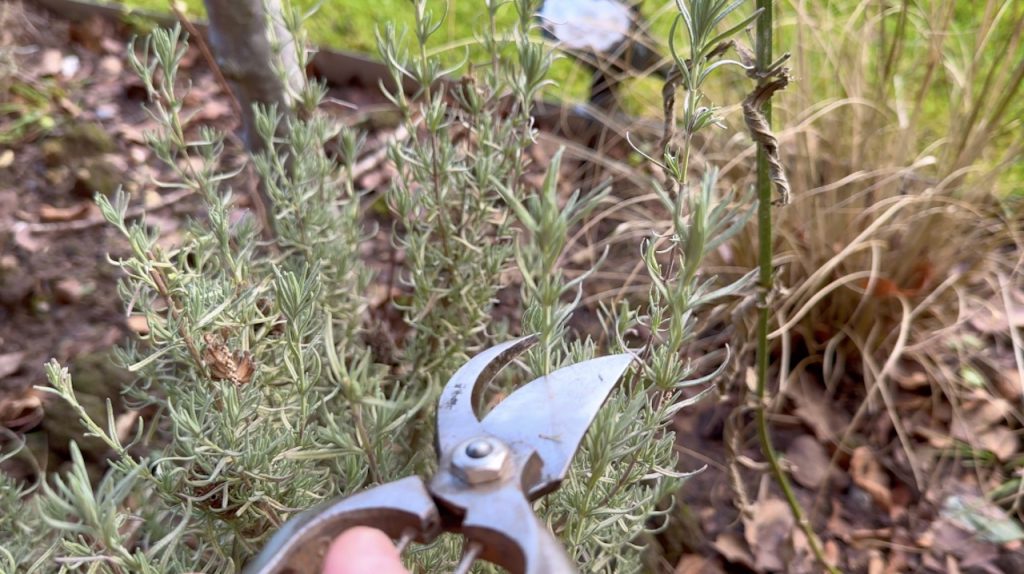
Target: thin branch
(211, 61)
(771, 77)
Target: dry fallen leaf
(1009, 383)
(876, 564)
(911, 376)
(814, 409)
(138, 324)
(1001, 442)
(48, 212)
(21, 411)
(225, 364)
(990, 411)
(211, 109)
(70, 290)
(694, 564)
(982, 426)
(768, 531)
(733, 549)
(10, 363)
(995, 318)
(24, 239)
(868, 474)
(810, 461)
(124, 424)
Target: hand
(363, 550)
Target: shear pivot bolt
(480, 460)
(479, 449)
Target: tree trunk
(256, 54)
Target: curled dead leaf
(21, 411)
(50, 213)
(138, 324)
(225, 364)
(868, 474)
(10, 363)
(24, 239)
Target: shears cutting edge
(489, 473)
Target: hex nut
(480, 469)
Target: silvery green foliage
(261, 397)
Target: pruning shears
(489, 473)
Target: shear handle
(397, 508)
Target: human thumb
(363, 550)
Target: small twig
(172, 307)
(376, 157)
(771, 77)
(80, 224)
(211, 61)
(732, 434)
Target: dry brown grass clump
(899, 137)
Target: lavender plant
(265, 396)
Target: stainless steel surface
(552, 413)
(456, 419)
(489, 471)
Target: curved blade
(552, 413)
(396, 508)
(456, 419)
(513, 537)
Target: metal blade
(552, 413)
(456, 418)
(398, 508)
